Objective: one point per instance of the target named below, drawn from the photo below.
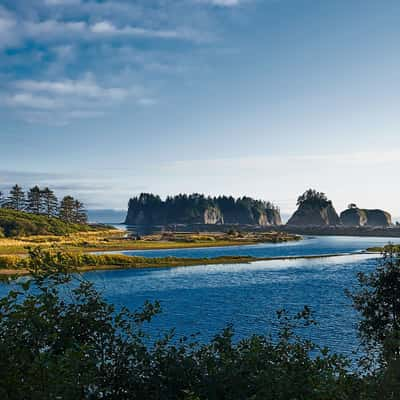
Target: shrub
(71, 344)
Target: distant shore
(299, 230)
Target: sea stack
(314, 209)
(357, 217)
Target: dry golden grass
(109, 240)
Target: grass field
(114, 240)
(77, 248)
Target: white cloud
(107, 28)
(28, 100)
(86, 87)
(68, 37)
(52, 29)
(222, 3)
(61, 2)
(60, 102)
(8, 33)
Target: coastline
(116, 240)
(171, 262)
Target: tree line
(44, 202)
(184, 208)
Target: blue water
(318, 245)
(205, 299)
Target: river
(205, 299)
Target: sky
(265, 98)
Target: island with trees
(150, 209)
(316, 214)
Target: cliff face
(274, 217)
(212, 216)
(315, 215)
(148, 209)
(361, 217)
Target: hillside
(149, 209)
(18, 223)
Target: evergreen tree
(16, 199)
(34, 200)
(2, 199)
(49, 202)
(80, 215)
(67, 209)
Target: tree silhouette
(16, 199)
(34, 200)
(50, 202)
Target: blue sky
(105, 99)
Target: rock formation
(355, 217)
(314, 209)
(148, 209)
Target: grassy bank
(117, 240)
(17, 266)
(15, 224)
(10, 265)
(383, 249)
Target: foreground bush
(59, 339)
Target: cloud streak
(86, 57)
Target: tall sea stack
(314, 209)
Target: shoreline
(116, 241)
(156, 263)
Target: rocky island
(316, 215)
(149, 209)
(314, 209)
(355, 216)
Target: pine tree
(67, 209)
(16, 199)
(2, 200)
(80, 215)
(34, 201)
(49, 203)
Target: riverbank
(16, 266)
(119, 240)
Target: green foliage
(378, 301)
(16, 199)
(72, 211)
(49, 202)
(34, 200)
(59, 339)
(187, 209)
(85, 260)
(313, 198)
(18, 223)
(45, 202)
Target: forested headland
(150, 209)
